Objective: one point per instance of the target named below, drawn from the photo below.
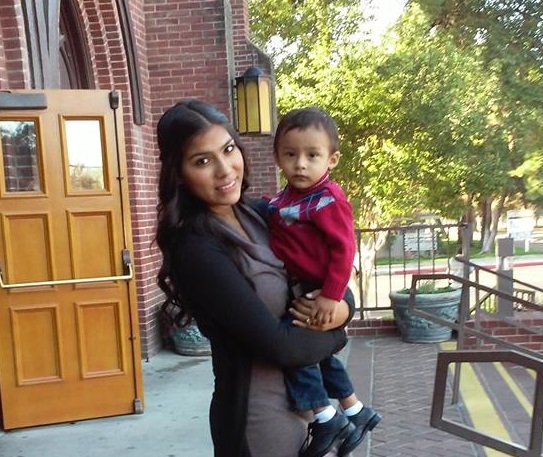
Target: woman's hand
(304, 311)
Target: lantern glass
(253, 102)
(241, 101)
(265, 105)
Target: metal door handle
(127, 263)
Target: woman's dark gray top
(237, 304)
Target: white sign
(419, 240)
(520, 224)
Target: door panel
(100, 354)
(36, 363)
(92, 232)
(69, 343)
(27, 236)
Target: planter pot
(416, 329)
(189, 341)
(185, 340)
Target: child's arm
(335, 221)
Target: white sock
(326, 414)
(355, 409)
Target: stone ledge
(372, 327)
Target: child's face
(305, 156)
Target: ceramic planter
(189, 341)
(416, 329)
(185, 340)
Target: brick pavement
(397, 378)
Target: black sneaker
(321, 437)
(364, 421)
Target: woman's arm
(220, 295)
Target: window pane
(21, 165)
(85, 154)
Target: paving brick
(402, 382)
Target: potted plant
(181, 335)
(441, 301)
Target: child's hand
(304, 310)
(325, 310)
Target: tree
(434, 118)
(509, 37)
(430, 119)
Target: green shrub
(429, 287)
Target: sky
(386, 12)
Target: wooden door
(69, 342)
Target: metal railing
(469, 324)
(437, 420)
(387, 258)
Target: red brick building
(154, 52)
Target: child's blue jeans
(311, 387)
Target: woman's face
(212, 169)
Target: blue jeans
(311, 387)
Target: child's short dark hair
(303, 118)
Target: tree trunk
(366, 263)
(468, 218)
(496, 213)
(486, 216)
(484, 209)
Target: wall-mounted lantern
(253, 102)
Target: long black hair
(178, 209)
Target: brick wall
(524, 329)
(143, 177)
(264, 178)
(13, 67)
(186, 52)
(5, 13)
(373, 327)
(263, 172)
(187, 56)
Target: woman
(217, 265)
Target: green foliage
(429, 287)
(447, 110)
(508, 35)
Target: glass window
(20, 156)
(85, 155)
